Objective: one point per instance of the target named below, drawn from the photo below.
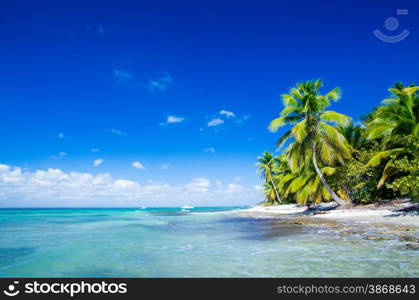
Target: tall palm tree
(397, 118)
(313, 135)
(266, 164)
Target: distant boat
(186, 207)
(143, 207)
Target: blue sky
(143, 81)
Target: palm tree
(313, 135)
(281, 170)
(391, 122)
(397, 117)
(269, 192)
(353, 134)
(307, 187)
(266, 164)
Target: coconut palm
(266, 164)
(281, 170)
(306, 186)
(269, 192)
(313, 135)
(392, 122)
(353, 134)
(397, 117)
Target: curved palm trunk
(335, 197)
(276, 192)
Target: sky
(167, 103)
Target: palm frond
(281, 121)
(389, 170)
(380, 156)
(334, 94)
(289, 100)
(283, 139)
(299, 131)
(328, 170)
(335, 117)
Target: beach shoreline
(387, 213)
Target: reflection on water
(197, 242)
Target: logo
(11, 289)
(391, 24)
(69, 288)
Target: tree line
(324, 156)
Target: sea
(189, 242)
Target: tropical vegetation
(325, 156)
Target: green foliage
(395, 124)
(266, 164)
(406, 175)
(370, 162)
(397, 117)
(355, 135)
(313, 136)
(357, 181)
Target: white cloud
(4, 168)
(123, 77)
(59, 155)
(199, 185)
(210, 150)
(227, 117)
(258, 187)
(138, 165)
(234, 188)
(228, 114)
(215, 122)
(173, 119)
(61, 135)
(125, 184)
(161, 81)
(237, 178)
(118, 132)
(165, 166)
(97, 162)
(55, 188)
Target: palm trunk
(335, 197)
(276, 192)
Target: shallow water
(198, 242)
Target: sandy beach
(379, 214)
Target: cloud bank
(55, 188)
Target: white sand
(358, 215)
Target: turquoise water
(198, 242)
